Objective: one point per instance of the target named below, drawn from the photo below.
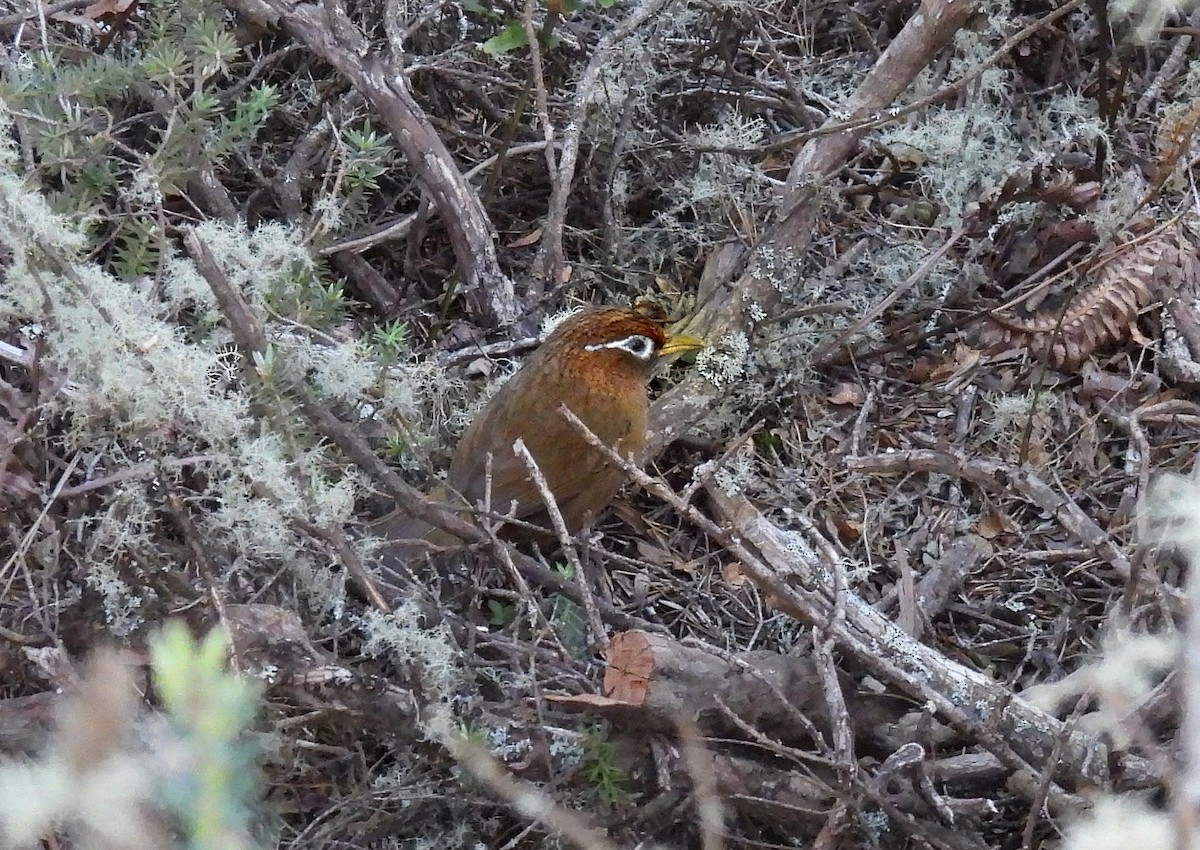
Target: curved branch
(927, 32)
(489, 292)
(550, 258)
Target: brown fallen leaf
(847, 393)
(630, 663)
(733, 575)
(660, 557)
(528, 239)
(995, 523)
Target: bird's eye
(641, 347)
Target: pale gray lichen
(733, 476)
(724, 361)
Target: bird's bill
(679, 344)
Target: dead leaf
(528, 239)
(965, 358)
(941, 371)
(661, 557)
(668, 287)
(104, 8)
(652, 554)
(75, 20)
(630, 663)
(922, 368)
(847, 528)
(993, 524)
(733, 575)
(847, 393)
(480, 367)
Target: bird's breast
(613, 412)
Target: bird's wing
(579, 476)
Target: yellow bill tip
(680, 344)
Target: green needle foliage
(604, 772)
(208, 707)
(116, 134)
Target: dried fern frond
(1180, 287)
(1173, 140)
(1105, 312)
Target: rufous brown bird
(596, 363)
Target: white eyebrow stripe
(623, 344)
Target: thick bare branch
(728, 310)
(550, 260)
(488, 291)
(1018, 734)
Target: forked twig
(1012, 729)
(595, 624)
(550, 259)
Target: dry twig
(1014, 731)
(334, 39)
(599, 639)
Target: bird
(597, 364)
